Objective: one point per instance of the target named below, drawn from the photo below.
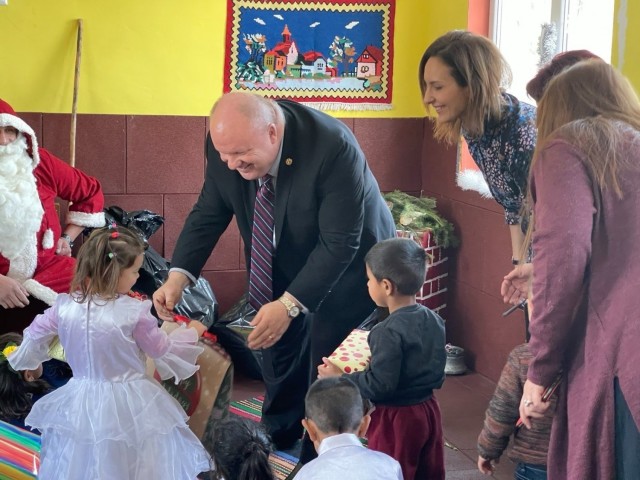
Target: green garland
(418, 214)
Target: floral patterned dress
(503, 154)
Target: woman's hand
(516, 285)
(531, 405)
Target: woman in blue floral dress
(462, 77)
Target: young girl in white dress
(111, 421)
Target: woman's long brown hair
(592, 106)
(477, 64)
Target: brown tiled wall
(157, 163)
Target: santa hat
(8, 118)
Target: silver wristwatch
(68, 239)
(292, 309)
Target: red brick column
(433, 294)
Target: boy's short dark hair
(401, 261)
(335, 405)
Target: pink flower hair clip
(114, 227)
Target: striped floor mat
(251, 408)
(281, 462)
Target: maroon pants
(413, 436)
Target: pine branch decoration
(418, 214)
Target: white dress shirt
(343, 456)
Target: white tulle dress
(111, 421)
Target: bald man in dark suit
(328, 212)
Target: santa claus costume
(31, 179)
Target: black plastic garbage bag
(143, 222)
(198, 301)
(239, 317)
(232, 330)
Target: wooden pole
(74, 106)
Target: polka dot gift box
(353, 354)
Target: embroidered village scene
(341, 54)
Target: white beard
(20, 206)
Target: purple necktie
(260, 273)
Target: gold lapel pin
(288, 162)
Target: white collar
(337, 441)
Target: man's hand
(169, 295)
(63, 248)
(328, 369)
(12, 293)
(271, 321)
(517, 284)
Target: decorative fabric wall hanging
(329, 54)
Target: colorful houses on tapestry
(369, 63)
(285, 59)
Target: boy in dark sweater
(407, 363)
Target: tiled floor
(463, 401)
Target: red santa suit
(31, 179)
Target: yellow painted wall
(164, 57)
(626, 40)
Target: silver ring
(528, 403)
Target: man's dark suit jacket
(328, 213)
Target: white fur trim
(41, 292)
(47, 239)
(8, 120)
(86, 219)
(24, 265)
(473, 180)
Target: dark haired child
(335, 418)
(240, 450)
(407, 362)
(18, 390)
(111, 420)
